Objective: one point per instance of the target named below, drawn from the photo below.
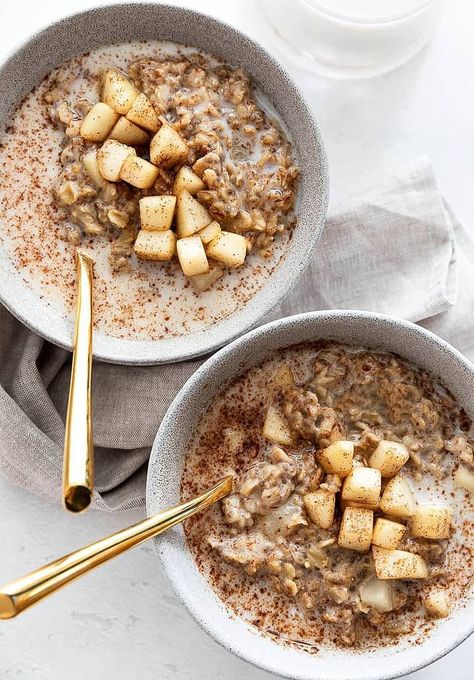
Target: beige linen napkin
(397, 249)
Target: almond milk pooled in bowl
(168, 168)
(351, 518)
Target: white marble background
(123, 621)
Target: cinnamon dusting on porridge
(168, 166)
(351, 520)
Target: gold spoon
(78, 463)
(18, 595)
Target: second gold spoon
(78, 466)
(18, 595)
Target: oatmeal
(168, 167)
(351, 521)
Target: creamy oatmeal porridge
(351, 517)
(168, 166)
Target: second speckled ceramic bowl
(80, 33)
(166, 464)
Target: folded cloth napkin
(397, 249)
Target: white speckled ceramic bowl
(121, 23)
(166, 463)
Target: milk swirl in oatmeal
(302, 549)
(48, 205)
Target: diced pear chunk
(464, 479)
(191, 216)
(203, 282)
(336, 459)
(98, 122)
(431, 521)
(320, 506)
(155, 245)
(192, 256)
(355, 532)
(128, 133)
(389, 457)
(228, 248)
(156, 212)
(283, 378)
(167, 147)
(377, 594)
(187, 179)
(143, 114)
(118, 92)
(210, 232)
(362, 485)
(397, 499)
(275, 429)
(388, 534)
(139, 173)
(91, 166)
(398, 564)
(111, 158)
(437, 603)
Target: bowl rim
(404, 665)
(20, 300)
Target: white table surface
(123, 621)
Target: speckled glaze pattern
(166, 464)
(121, 23)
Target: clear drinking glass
(352, 38)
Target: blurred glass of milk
(353, 38)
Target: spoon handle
(78, 468)
(18, 595)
